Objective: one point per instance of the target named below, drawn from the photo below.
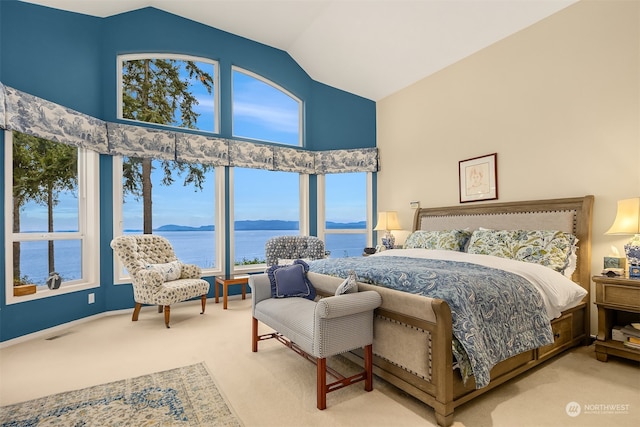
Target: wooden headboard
(571, 215)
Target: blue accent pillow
(291, 281)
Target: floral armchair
(157, 276)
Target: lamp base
(389, 240)
(632, 250)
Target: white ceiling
(371, 48)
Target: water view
(193, 247)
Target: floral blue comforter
(496, 314)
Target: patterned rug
(185, 396)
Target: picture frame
(478, 178)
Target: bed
(414, 339)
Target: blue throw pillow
(291, 281)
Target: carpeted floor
(276, 388)
(185, 396)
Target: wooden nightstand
(618, 301)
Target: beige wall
(559, 102)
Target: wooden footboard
(427, 373)
(413, 334)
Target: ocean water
(193, 247)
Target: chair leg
(159, 309)
(204, 302)
(167, 313)
(136, 312)
(368, 367)
(322, 383)
(254, 334)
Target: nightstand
(618, 301)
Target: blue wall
(70, 59)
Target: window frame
(88, 226)
(120, 59)
(322, 223)
(300, 102)
(303, 222)
(120, 278)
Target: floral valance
(3, 124)
(22, 112)
(137, 141)
(38, 117)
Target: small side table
(228, 280)
(614, 297)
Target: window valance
(22, 112)
(38, 117)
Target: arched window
(265, 111)
(169, 89)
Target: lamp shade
(627, 218)
(388, 220)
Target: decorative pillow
(170, 271)
(491, 242)
(350, 284)
(550, 248)
(291, 281)
(573, 260)
(451, 240)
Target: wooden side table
(227, 281)
(618, 301)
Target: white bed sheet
(558, 292)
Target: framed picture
(478, 178)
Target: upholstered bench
(318, 329)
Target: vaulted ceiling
(371, 48)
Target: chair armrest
(347, 304)
(190, 271)
(260, 288)
(148, 278)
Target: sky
(260, 111)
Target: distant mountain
(173, 227)
(347, 225)
(262, 224)
(267, 224)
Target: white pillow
(350, 285)
(170, 271)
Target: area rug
(186, 396)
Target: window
(265, 204)
(183, 208)
(263, 110)
(344, 211)
(52, 210)
(173, 90)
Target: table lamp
(388, 221)
(627, 222)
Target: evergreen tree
(41, 170)
(154, 92)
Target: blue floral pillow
(546, 247)
(450, 240)
(550, 248)
(491, 242)
(291, 281)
